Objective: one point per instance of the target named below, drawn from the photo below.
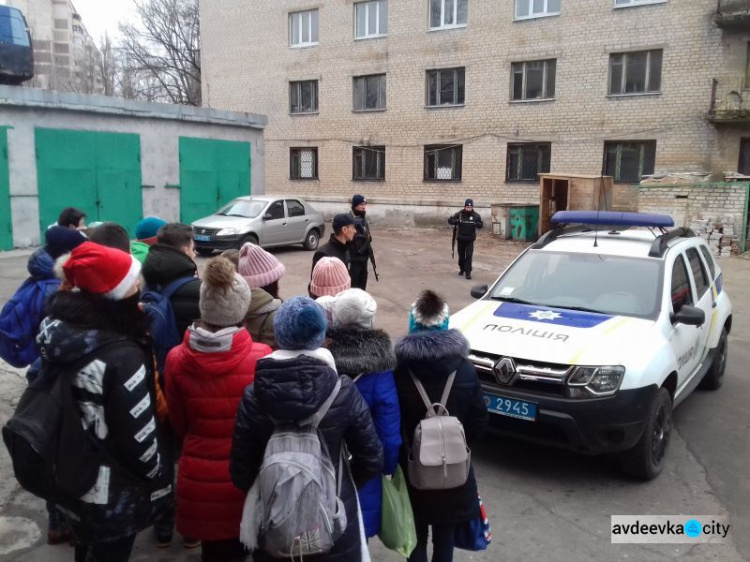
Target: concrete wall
(248, 64)
(159, 126)
(684, 203)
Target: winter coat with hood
(114, 390)
(292, 389)
(259, 318)
(369, 353)
(432, 356)
(165, 264)
(205, 378)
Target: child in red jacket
(205, 378)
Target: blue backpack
(158, 308)
(20, 319)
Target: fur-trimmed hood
(361, 351)
(432, 346)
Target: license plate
(202, 237)
(510, 407)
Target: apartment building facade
(66, 58)
(437, 100)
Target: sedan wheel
(312, 240)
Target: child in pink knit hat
(260, 269)
(329, 277)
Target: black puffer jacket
(332, 249)
(467, 224)
(115, 395)
(432, 357)
(293, 389)
(165, 264)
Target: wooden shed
(577, 192)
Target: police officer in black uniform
(466, 222)
(361, 251)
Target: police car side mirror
(478, 291)
(690, 316)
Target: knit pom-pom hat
(258, 267)
(329, 277)
(428, 313)
(300, 323)
(225, 296)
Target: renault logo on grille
(505, 371)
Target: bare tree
(109, 66)
(163, 51)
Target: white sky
(104, 15)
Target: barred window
(369, 163)
(628, 162)
(527, 161)
(442, 162)
(303, 163)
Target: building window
(526, 161)
(303, 28)
(533, 80)
(442, 162)
(635, 73)
(744, 167)
(369, 92)
(303, 96)
(445, 87)
(369, 163)
(371, 19)
(445, 14)
(628, 162)
(528, 9)
(303, 163)
(628, 3)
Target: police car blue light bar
(611, 218)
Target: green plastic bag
(397, 530)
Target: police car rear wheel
(646, 460)
(715, 375)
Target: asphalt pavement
(544, 504)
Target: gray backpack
(439, 458)
(302, 513)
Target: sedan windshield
(607, 284)
(242, 208)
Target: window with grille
(445, 87)
(628, 162)
(369, 163)
(445, 14)
(303, 28)
(635, 73)
(303, 96)
(744, 167)
(371, 19)
(528, 9)
(369, 92)
(442, 162)
(533, 80)
(527, 161)
(303, 163)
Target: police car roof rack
(660, 245)
(559, 230)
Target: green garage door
(6, 222)
(212, 173)
(99, 173)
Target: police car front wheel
(646, 460)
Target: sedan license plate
(202, 237)
(510, 407)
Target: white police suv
(593, 334)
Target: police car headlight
(590, 382)
(227, 232)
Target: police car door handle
(714, 305)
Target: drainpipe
(743, 241)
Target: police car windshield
(613, 285)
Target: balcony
(733, 14)
(730, 101)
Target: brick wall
(247, 66)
